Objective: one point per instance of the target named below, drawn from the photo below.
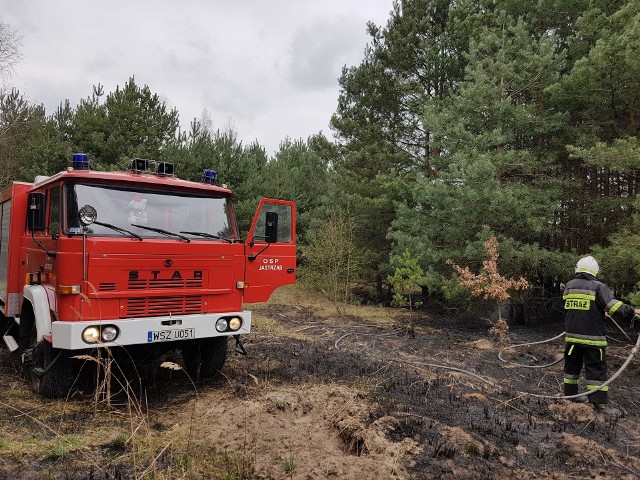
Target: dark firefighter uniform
(586, 300)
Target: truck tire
(204, 358)
(51, 374)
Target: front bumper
(138, 331)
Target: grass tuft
(289, 465)
(63, 447)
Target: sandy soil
(322, 396)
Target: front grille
(162, 284)
(159, 306)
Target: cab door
(270, 249)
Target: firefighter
(587, 302)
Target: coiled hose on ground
(634, 350)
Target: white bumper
(138, 331)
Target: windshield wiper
(208, 235)
(118, 229)
(164, 232)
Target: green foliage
(600, 94)
(65, 445)
(408, 278)
(378, 121)
(30, 143)
(504, 118)
(621, 155)
(490, 132)
(289, 465)
(451, 293)
(465, 119)
(470, 448)
(620, 260)
(14, 116)
(331, 257)
(119, 442)
(131, 122)
(600, 90)
(299, 172)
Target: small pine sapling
(406, 280)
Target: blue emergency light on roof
(80, 161)
(210, 177)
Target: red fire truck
(137, 259)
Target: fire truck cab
(137, 259)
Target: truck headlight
(109, 333)
(221, 325)
(235, 323)
(91, 334)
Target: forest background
(466, 119)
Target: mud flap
(239, 348)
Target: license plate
(171, 335)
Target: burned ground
(328, 396)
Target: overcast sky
(267, 68)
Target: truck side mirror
(35, 212)
(271, 228)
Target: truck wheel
(51, 374)
(204, 358)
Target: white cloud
(321, 49)
(270, 68)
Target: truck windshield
(205, 216)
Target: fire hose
(634, 350)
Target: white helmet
(588, 265)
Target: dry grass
(299, 407)
(123, 438)
(113, 438)
(296, 295)
(296, 407)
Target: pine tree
(495, 174)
